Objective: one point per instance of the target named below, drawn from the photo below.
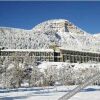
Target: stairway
(80, 87)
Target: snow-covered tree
(36, 75)
(66, 75)
(4, 67)
(50, 75)
(83, 74)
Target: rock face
(59, 31)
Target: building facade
(39, 55)
(51, 55)
(79, 56)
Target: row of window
(80, 53)
(41, 54)
(25, 53)
(32, 58)
(82, 59)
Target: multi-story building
(79, 56)
(51, 55)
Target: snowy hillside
(59, 31)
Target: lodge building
(80, 56)
(51, 55)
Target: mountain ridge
(59, 31)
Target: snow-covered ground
(49, 93)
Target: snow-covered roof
(47, 50)
(79, 50)
(29, 50)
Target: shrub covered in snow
(16, 74)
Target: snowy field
(49, 93)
